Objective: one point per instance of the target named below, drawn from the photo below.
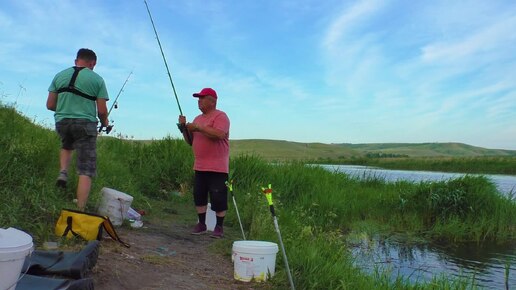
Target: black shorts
(212, 184)
(80, 135)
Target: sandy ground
(165, 257)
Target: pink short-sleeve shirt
(211, 154)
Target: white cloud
(487, 38)
(349, 18)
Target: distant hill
(286, 150)
(429, 149)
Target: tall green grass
(330, 200)
(26, 158)
(316, 208)
(29, 165)
(154, 169)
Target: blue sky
(301, 70)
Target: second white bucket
(15, 245)
(254, 260)
(115, 205)
(211, 218)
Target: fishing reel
(181, 127)
(105, 129)
(110, 127)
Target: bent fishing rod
(115, 105)
(181, 127)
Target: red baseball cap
(206, 92)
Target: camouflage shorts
(80, 135)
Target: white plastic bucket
(211, 218)
(115, 205)
(254, 260)
(15, 245)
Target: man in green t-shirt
(78, 95)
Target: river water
(489, 264)
(505, 183)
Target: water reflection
(419, 262)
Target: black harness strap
(71, 86)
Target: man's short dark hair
(86, 54)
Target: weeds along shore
(316, 208)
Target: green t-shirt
(73, 106)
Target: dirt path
(165, 257)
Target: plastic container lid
(255, 247)
(14, 244)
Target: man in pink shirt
(209, 136)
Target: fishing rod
(182, 127)
(268, 194)
(115, 105)
(229, 184)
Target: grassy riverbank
(317, 209)
(446, 157)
